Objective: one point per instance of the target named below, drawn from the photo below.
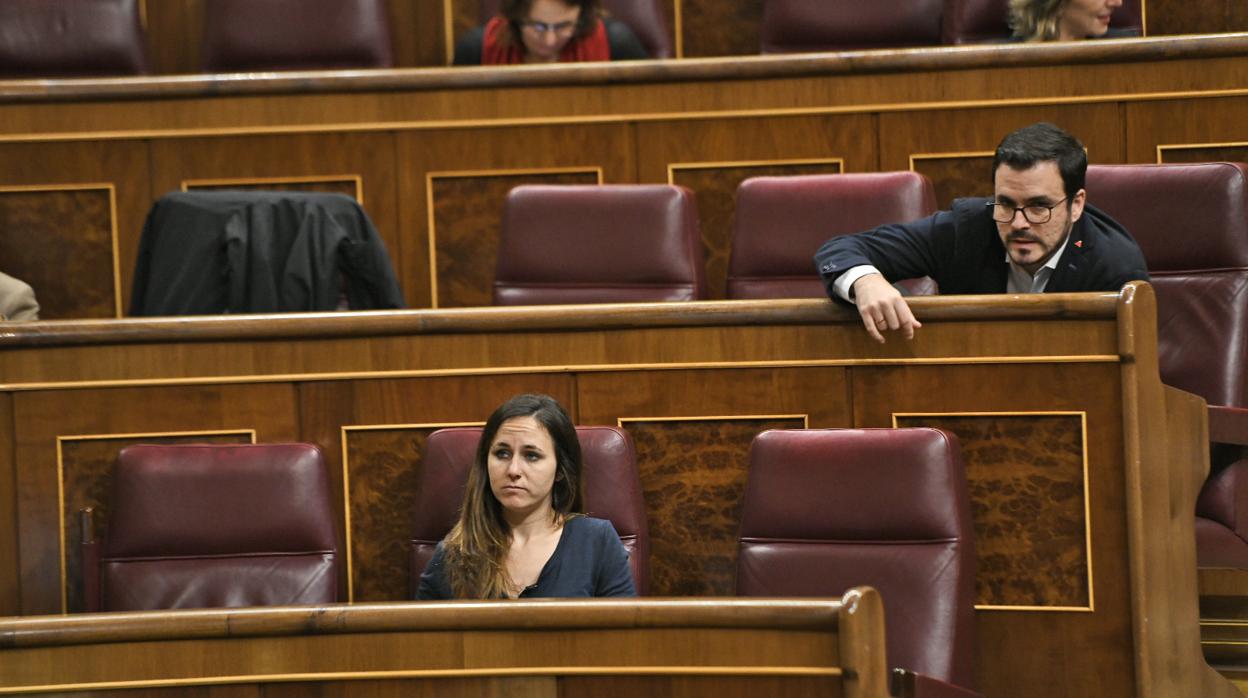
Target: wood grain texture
(1212, 153)
(957, 176)
(10, 559)
(1183, 122)
(346, 187)
(1025, 474)
(717, 28)
(80, 221)
(716, 190)
(61, 243)
(467, 223)
(39, 418)
(693, 475)
(86, 469)
(1029, 640)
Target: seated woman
(1064, 20)
(548, 31)
(521, 533)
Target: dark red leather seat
(791, 26)
(612, 492)
(647, 19)
(599, 244)
(261, 35)
(781, 221)
(828, 509)
(196, 526)
(974, 21)
(63, 38)
(1192, 223)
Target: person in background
(548, 31)
(1037, 234)
(521, 531)
(17, 300)
(1064, 20)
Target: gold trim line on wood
(464, 174)
(448, 30)
(452, 124)
(678, 28)
(357, 180)
(569, 368)
(502, 672)
(1223, 623)
(346, 482)
(711, 165)
(60, 481)
(949, 156)
(1143, 18)
(114, 248)
(620, 421)
(1087, 505)
(1161, 148)
(1224, 643)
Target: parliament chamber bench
(1083, 467)
(430, 153)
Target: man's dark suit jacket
(961, 250)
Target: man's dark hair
(1037, 143)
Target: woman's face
(1083, 18)
(522, 466)
(548, 28)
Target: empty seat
(974, 21)
(1191, 221)
(828, 509)
(612, 492)
(599, 244)
(645, 17)
(213, 252)
(790, 26)
(196, 526)
(254, 35)
(62, 38)
(782, 221)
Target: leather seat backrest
(599, 244)
(196, 526)
(645, 17)
(974, 21)
(828, 509)
(791, 26)
(612, 491)
(1191, 221)
(63, 38)
(782, 221)
(255, 35)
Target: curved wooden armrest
(908, 684)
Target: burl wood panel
(60, 242)
(718, 28)
(348, 187)
(1224, 153)
(716, 189)
(957, 176)
(87, 475)
(467, 220)
(1028, 505)
(383, 474)
(693, 474)
(1201, 17)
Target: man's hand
(882, 307)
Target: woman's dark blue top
(589, 560)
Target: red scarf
(499, 49)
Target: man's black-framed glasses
(559, 28)
(1034, 213)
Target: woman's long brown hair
(476, 548)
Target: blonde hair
(1036, 20)
(476, 548)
